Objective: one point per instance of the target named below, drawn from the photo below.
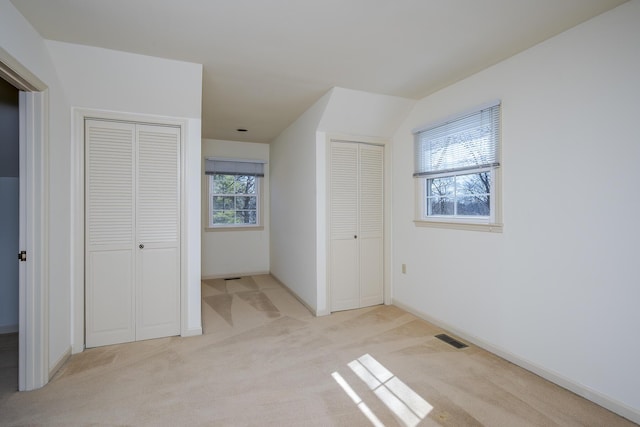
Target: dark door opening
(9, 243)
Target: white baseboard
(296, 296)
(193, 332)
(61, 361)
(227, 276)
(581, 390)
(8, 329)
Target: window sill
(250, 228)
(470, 226)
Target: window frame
(490, 223)
(237, 167)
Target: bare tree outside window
(234, 200)
(457, 160)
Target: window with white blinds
(456, 163)
(234, 193)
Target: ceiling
(266, 61)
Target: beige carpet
(264, 360)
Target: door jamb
(33, 342)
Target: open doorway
(9, 235)
(33, 337)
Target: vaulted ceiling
(266, 61)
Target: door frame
(78, 212)
(33, 294)
(325, 241)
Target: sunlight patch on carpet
(407, 406)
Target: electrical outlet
(404, 268)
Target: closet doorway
(356, 217)
(132, 231)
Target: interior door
(109, 204)
(133, 232)
(344, 248)
(371, 224)
(356, 225)
(158, 232)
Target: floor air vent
(233, 278)
(452, 341)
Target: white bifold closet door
(132, 204)
(356, 225)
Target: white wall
(354, 112)
(103, 79)
(19, 40)
(227, 253)
(127, 82)
(557, 291)
(298, 183)
(362, 117)
(292, 174)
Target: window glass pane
(461, 195)
(222, 202)
(472, 184)
(473, 205)
(441, 187)
(246, 217)
(223, 217)
(246, 202)
(440, 206)
(223, 184)
(245, 184)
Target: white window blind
(234, 167)
(465, 143)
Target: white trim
(436, 223)
(17, 75)
(300, 300)
(78, 214)
(193, 332)
(184, 226)
(61, 361)
(33, 343)
(33, 318)
(577, 388)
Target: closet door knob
(141, 246)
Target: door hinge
(22, 255)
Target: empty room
(319, 212)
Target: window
(234, 193)
(457, 170)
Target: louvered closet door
(132, 232)
(344, 268)
(158, 232)
(356, 225)
(371, 224)
(109, 204)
